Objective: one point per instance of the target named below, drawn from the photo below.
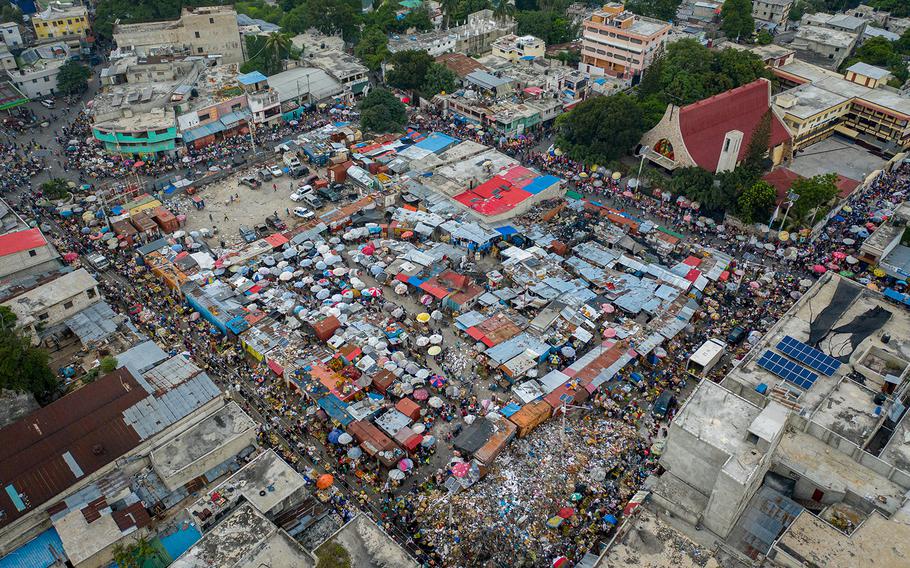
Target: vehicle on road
(265, 174)
(276, 170)
(276, 223)
(303, 213)
(736, 335)
(298, 171)
(250, 182)
(47, 103)
(247, 234)
(98, 261)
(297, 196)
(310, 200)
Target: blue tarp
(179, 542)
(509, 409)
(540, 183)
(414, 281)
(36, 553)
(335, 408)
(506, 230)
(251, 78)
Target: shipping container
(409, 408)
(503, 432)
(324, 329)
(531, 416)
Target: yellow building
(61, 20)
(513, 47)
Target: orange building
(619, 43)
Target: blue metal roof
(436, 142)
(251, 78)
(540, 183)
(40, 552)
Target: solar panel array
(810, 356)
(787, 370)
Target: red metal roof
(704, 124)
(20, 241)
(87, 423)
(783, 178)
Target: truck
(706, 357)
(329, 193)
(291, 160)
(98, 261)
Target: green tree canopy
(55, 188)
(897, 8)
(764, 37)
(600, 129)
(439, 78)
(883, 53)
(814, 192)
(72, 78)
(409, 69)
(736, 19)
(381, 111)
(108, 364)
(552, 27)
(698, 185)
(660, 9)
(260, 10)
(23, 368)
(9, 13)
(755, 161)
(266, 53)
(755, 203)
(373, 48)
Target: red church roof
(704, 124)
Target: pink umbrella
(461, 469)
(839, 255)
(608, 308)
(819, 269)
(754, 285)
(405, 464)
(627, 194)
(375, 292)
(609, 332)
(421, 394)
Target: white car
(303, 213)
(276, 171)
(297, 196)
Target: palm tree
(449, 7)
(279, 44)
(134, 555)
(505, 10)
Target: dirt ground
(251, 209)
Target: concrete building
(60, 20)
(474, 37)
(26, 252)
(204, 446)
(11, 35)
(343, 67)
(817, 103)
(7, 59)
(368, 545)
(825, 46)
(714, 133)
(206, 30)
(53, 302)
(884, 247)
(513, 47)
(839, 22)
(38, 67)
(218, 110)
(619, 43)
(61, 450)
(304, 86)
(771, 13)
(246, 539)
(264, 102)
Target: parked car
(303, 213)
(663, 404)
(736, 335)
(310, 200)
(276, 223)
(276, 170)
(262, 230)
(47, 103)
(248, 234)
(298, 171)
(297, 196)
(250, 182)
(265, 175)
(328, 194)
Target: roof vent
(98, 450)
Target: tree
(881, 52)
(108, 364)
(260, 10)
(23, 368)
(902, 45)
(814, 193)
(755, 161)
(54, 189)
(381, 111)
(552, 27)
(660, 9)
(295, 21)
(72, 78)
(755, 203)
(418, 19)
(600, 129)
(409, 69)
(134, 555)
(736, 19)
(373, 48)
(698, 185)
(280, 45)
(10, 13)
(439, 78)
(897, 8)
(448, 7)
(468, 7)
(764, 37)
(504, 10)
(265, 54)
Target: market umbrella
(325, 481)
(434, 350)
(452, 391)
(418, 428)
(405, 464)
(355, 452)
(849, 242)
(422, 341)
(796, 294)
(461, 469)
(469, 419)
(566, 512)
(819, 269)
(401, 289)
(553, 523)
(852, 260)
(421, 394)
(345, 438)
(436, 315)
(428, 441)
(568, 351)
(422, 374)
(334, 435)
(847, 273)
(598, 474)
(805, 282)
(609, 332)
(373, 292)
(436, 381)
(423, 317)
(435, 402)
(396, 474)
(435, 339)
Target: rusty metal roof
(52, 448)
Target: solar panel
(810, 356)
(787, 370)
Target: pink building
(619, 43)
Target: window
(198, 50)
(42, 317)
(67, 305)
(752, 438)
(33, 252)
(47, 79)
(197, 35)
(34, 80)
(727, 145)
(69, 22)
(91, 293)
(211, 20)
(205, 116)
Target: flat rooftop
(245, 539)
(654, 543)
(810, 100)
(265, 482)
(215, 431)
(368, 545)
(68, 285)
(877, 542)
(826, 36)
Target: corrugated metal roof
(94, 323)
(40, 552)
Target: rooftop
(228, 424)
(655, 543)
(245, 539)
(641, 25)
(265, 482)
(20, 241)
(826, 36)
(867, 70)
(304, 82)
(808, 100)
(369, 546)
(28, 304)
(479, 23)
(460, 63)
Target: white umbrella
(422, 341)
(340, 271)
(435, 339)
(852, 260)
(422, 374)
(345, 438)
(396, 474)
(469, 419)
(435, 402)
(436, 315)
(285, 276)
(401, 289)
(418, 428)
